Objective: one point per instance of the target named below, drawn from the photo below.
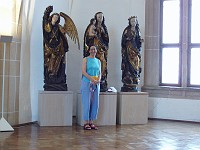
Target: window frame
(190, 45)
(152, 57)
(168, 45)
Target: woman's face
(99, 17)
(93, 50)
(133, 22)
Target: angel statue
(96, 34)
(131, 56)
(55, 46)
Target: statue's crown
(132, 17)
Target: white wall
(116, 14)
(174, 109)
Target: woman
(90, 88)
(131, 57)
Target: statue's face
(99, 17)
(133, 22)
(54, 19)
(94, 21)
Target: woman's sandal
(86, 126)
(92, 126)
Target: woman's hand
(95, 82)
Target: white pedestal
(132, 108)
(107, 109)
(55, 108)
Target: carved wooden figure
(96, 34)
(55, 46)
(131, 56)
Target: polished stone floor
(156, 135)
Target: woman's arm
(99, 77)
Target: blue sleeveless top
(92, 68)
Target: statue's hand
(141, 40)
(102, 29)
(140, 70)
(49, 8)
(62, 29)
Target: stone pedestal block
(132, 108)
(55, 108)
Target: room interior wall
(116, 13)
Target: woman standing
(90, 88)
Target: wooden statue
(96, 34)
(131, 56)
(55, 46)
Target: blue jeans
(90, 100)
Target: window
(180, 43)
(194, 44)
(6, 17)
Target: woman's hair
(92, 46)
(58, 21)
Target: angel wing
(70, 28)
